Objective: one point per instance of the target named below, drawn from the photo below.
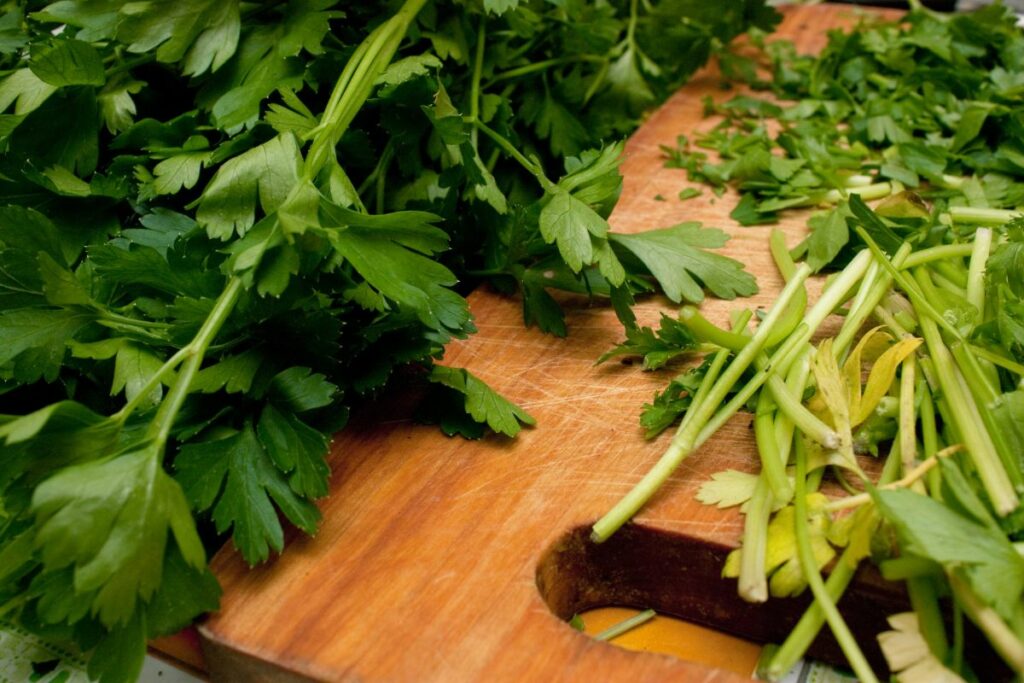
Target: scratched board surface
(426, 563)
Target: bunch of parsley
(223, 224)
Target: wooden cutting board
(441, 559)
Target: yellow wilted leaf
(866, 349)
(832, 389)
(883, 372)
(781, 555)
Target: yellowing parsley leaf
(727, 488)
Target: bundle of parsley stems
(931, 299)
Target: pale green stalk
(684, 441)
(976, 271)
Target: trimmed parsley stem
(911, 477)
(195, 350)
(753, 582)
(686, 439)
(773, 469)
(983, 217)
(945, 252)
(875, 286)
(967, 417)
(806, 630)
(1002, 637)
(777, 361)
(717, 363)
(823, 599)
(976, 271)
(924, 599)
(626, 625)
(874, 191)
(786, 400)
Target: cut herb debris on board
(929, 267)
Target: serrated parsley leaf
(236, 477)
(676, 256)
(404, 276)
(482, 403)
(672, 339)
(266, 174)
(570, 223)
(295, 448)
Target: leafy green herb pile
(934, 105)
(223, 224)
(933, 387)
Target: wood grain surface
(441, 559)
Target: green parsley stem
(152, 383)
(1002, 637)
(941, 253)
(972, 215)
(873, 191)
(626, 625)
(874, 287)
(773, 468)
(924, 599)
(356, 83)
(976, 271)
(806, 630)
(510, 149)
(717, 363)
(906, 283)
(195, 350)
(778, 360)
(908, 417)
(997, 359)
(967, 417)
(930, 439)
(705, 330)
(131, 64)
(822, 598)
(753, 582)
(535, 67)
(687, 438)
